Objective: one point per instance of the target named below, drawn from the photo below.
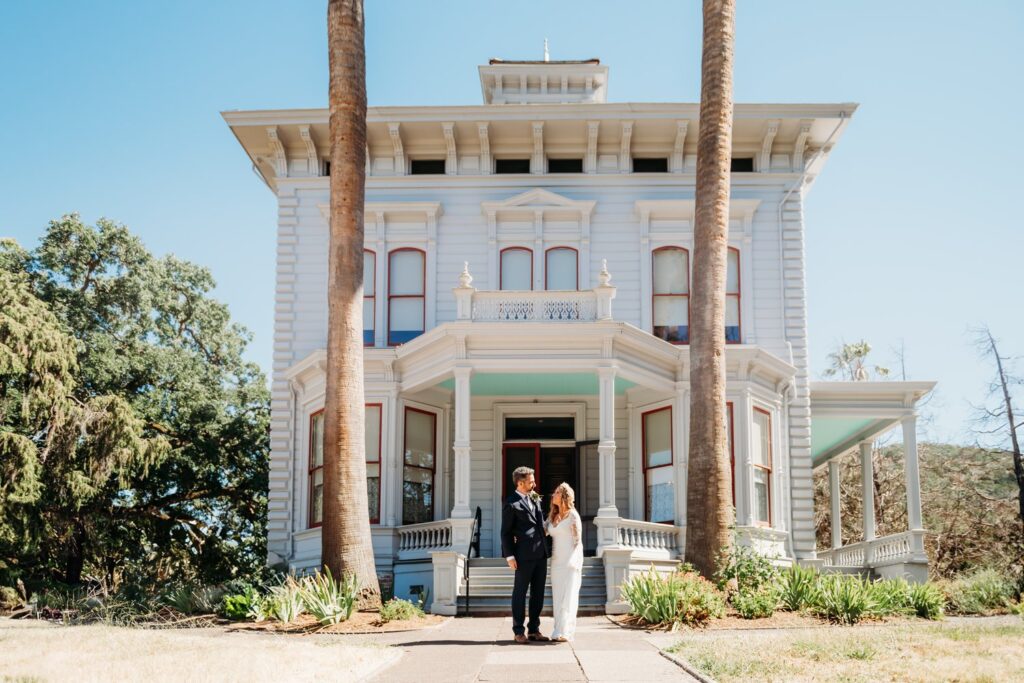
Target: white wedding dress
(566, 573)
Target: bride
(566, 530)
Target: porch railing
(648, 537)
(903, 547)
(419, 540)
(534, 306)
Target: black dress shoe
(538, 637)
(522, 639)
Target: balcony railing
(586, 305)
(417, 541)
(905, 547)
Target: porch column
(460, 497)
(913, 477)
(867, 479)
(834, 498)
(606, 444)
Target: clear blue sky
(913, 230)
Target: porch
(847, 417)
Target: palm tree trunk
(346, 542)
(709, 512)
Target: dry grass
(956, 650)
(39, 651)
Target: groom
(526, 551)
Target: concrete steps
(491, 581)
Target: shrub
(756, 604)
(194, 600)
(330, 601)
(980, 592)
(285, 602)
(798, 587)
(397, 609)
(239, 605)
(675, 599)
(9, 598)
(747, 566)
(845, 599)
(890, 597)
(927, 600)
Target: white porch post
(834, 498)
(606, 444)
(461, 517)
(867, 478)
(911, 471)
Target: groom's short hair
(520, 473)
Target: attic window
(649, 165)
(511, 165)
(565, 165)
(426, 167)
(742, 165)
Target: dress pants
(531, 574)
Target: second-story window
(406, 299)
(369, 296)
(732, 298)
(516, 268)
(561, 270)
(672, 294)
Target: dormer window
(742, 165)
(426, 167)
(565, 165)
(650, 165)
(511, 165)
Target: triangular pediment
(539, 199)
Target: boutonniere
(535, 497)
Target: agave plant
(330, 601)
(285, 602)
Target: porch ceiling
(536, 383)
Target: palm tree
(346, 544)
(709, 510)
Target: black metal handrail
(474, 545)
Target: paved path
(482, 649)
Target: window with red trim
(659, 496)
(374, 415)
(369, 296)
(731, 447)
(761, 459)
(419, 466)
(671, 294)
(516, 269)
(406, 295)
(732, 298)
(561, 269)
(316, 464)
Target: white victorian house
(527, 271)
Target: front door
(551, 465)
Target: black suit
(522, 537)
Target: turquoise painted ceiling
(829, 432)
(536, 384)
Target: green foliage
(927, 600)
(749, 568)
(9, 598)
(237, 606)
(133, 435)
(756, 603)
(980, 592)
(891, 597)
(845, 599)
(680, 598)
(397, 609)
(330, 601)
(798, 587)
(194, 599)
(285, 603)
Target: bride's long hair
(568, 500)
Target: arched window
(732, 298)
(406, 299)
(516, 268)
(672, 294)
(561, 269)
(659, 505)
(761, 460)
(369, 296)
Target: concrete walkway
(481, 649)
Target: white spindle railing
(534, 306)
(648, 537)
(904, 547)
(419, 540)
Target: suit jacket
(522, 530)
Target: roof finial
(547, 57)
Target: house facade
(526, 302)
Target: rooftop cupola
(546, 81)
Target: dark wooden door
(557, 464)
(518, 455)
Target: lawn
(33, 650)
(953, 650)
